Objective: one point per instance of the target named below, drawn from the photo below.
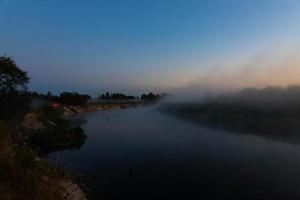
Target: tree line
(15, 97)
(67, 98)
(120, 96)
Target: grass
(23, 175)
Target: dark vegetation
(23, 174)
(152, 97)
(119, 96)
(115, 96)
(273, 112)
(13, 85)
(76, 99)
(66, 98)
(73, 98)
(15, 103)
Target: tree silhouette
(107, 95)
(73, 98)
(13, 85)
(49, 95)
(150, 96)
(12, 78)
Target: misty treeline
(269, 96)
(120, 96)
(250, 102)
(272, 112)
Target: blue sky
(142, 45)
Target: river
(139, 153)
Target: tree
(73, 98)
(150, 96)
(107, 95)
(49, 95)
(12, 78)
(14, 100)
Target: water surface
(140, 153)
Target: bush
(73, 98)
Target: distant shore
(99, 106)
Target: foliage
(12, 78)
(13, 84)
(73, 98)
(115, 96)
(50, 113)
(119, 96)
(150, 96)
(67, 98)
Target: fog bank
(280, 67)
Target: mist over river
(140, 153)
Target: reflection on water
(283, 130)
(142, 154)
(76, 145)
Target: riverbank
(25, 145)
(24, 169)
(45, 130)
(26, 174)
(99, 106)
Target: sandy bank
(92, 107)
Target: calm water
(139, 153)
